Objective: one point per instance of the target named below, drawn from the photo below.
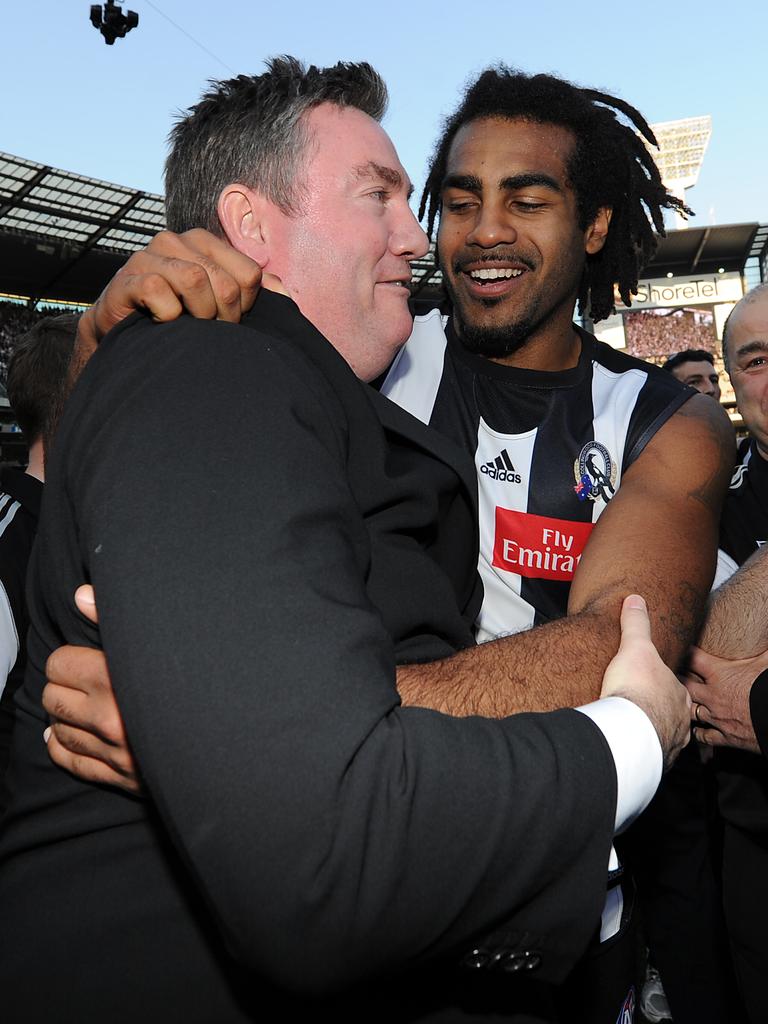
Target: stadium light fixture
(109, 19)
(682, 145)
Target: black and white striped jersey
(20, 496)
(550, 450)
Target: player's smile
(487, 279)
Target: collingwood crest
(595, 473)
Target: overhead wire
(190, 36)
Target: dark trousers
(604, 987)
(670, 851)
(745, 897)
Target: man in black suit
(252, 606)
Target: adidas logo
(501, 468)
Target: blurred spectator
(16, 319)
(37, 374)
(696, 368)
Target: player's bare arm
(660, 531)
(736, 623)
(731, 652)
(657, 537)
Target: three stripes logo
(501, 469)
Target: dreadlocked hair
(610, 166)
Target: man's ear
(597, 232)
(242, 216)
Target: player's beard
(494, 342)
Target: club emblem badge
(595, 473)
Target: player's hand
(638, 673)
(194, 272)
(86, 735)
(720, 692)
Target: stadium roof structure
(704, 250)
(62, 235)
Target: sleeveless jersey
(550, 450)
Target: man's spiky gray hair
(251, 130)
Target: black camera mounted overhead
(109, 19)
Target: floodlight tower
(682, 145)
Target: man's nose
(492, 227)
(409, 238)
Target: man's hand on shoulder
(194, 272)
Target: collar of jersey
(518, 375)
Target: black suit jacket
(267, 537)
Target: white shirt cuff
(636, 754)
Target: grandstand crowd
(434, 686)
(659, 335)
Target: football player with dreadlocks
(598, 475)
(546, 197)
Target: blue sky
(71, 101)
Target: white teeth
(494, 273)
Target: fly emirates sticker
(538, 547)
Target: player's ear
(597, 232)
(242, 213)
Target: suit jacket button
(476, 960)
(532, 961)
(508, 961)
